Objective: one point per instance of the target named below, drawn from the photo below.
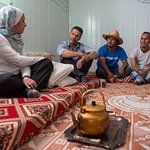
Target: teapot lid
(93, 107)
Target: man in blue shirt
(77, 54)
(109, 56)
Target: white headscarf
(9, 17)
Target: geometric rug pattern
(126, 99)
(23, 118)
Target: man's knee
(128, 70)
(100, 73)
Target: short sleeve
(133, 53)
(102, 51)
(123, 55)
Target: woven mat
(128, 100)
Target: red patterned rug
(22, 118)
(126, 99)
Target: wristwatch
(26, 76)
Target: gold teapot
(93, 120)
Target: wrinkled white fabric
(60, 71)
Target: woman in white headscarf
(20, 76)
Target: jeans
(138, 77)
(101, 73)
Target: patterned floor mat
(126, 99)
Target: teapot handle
(83, 101)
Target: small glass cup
(103, 83)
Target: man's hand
(143, 72)
(80, 63)
(29, 83)
(92, 55)
(121, 70)
(86, 58)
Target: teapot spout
(75, 122)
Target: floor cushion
(22, 118)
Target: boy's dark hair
(78, 28)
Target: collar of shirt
(75, 48)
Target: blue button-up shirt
(79, 48)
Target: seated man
(77, 54)
(109, 55)
(140, 60)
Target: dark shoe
(83, 79)
(32, 93)
(45, 90)
(139, 82)
(148, 81)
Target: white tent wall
(47, 23)
(129, 17)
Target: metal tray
(114, 137)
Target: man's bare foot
(114, 79)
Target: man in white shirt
(140, 60)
